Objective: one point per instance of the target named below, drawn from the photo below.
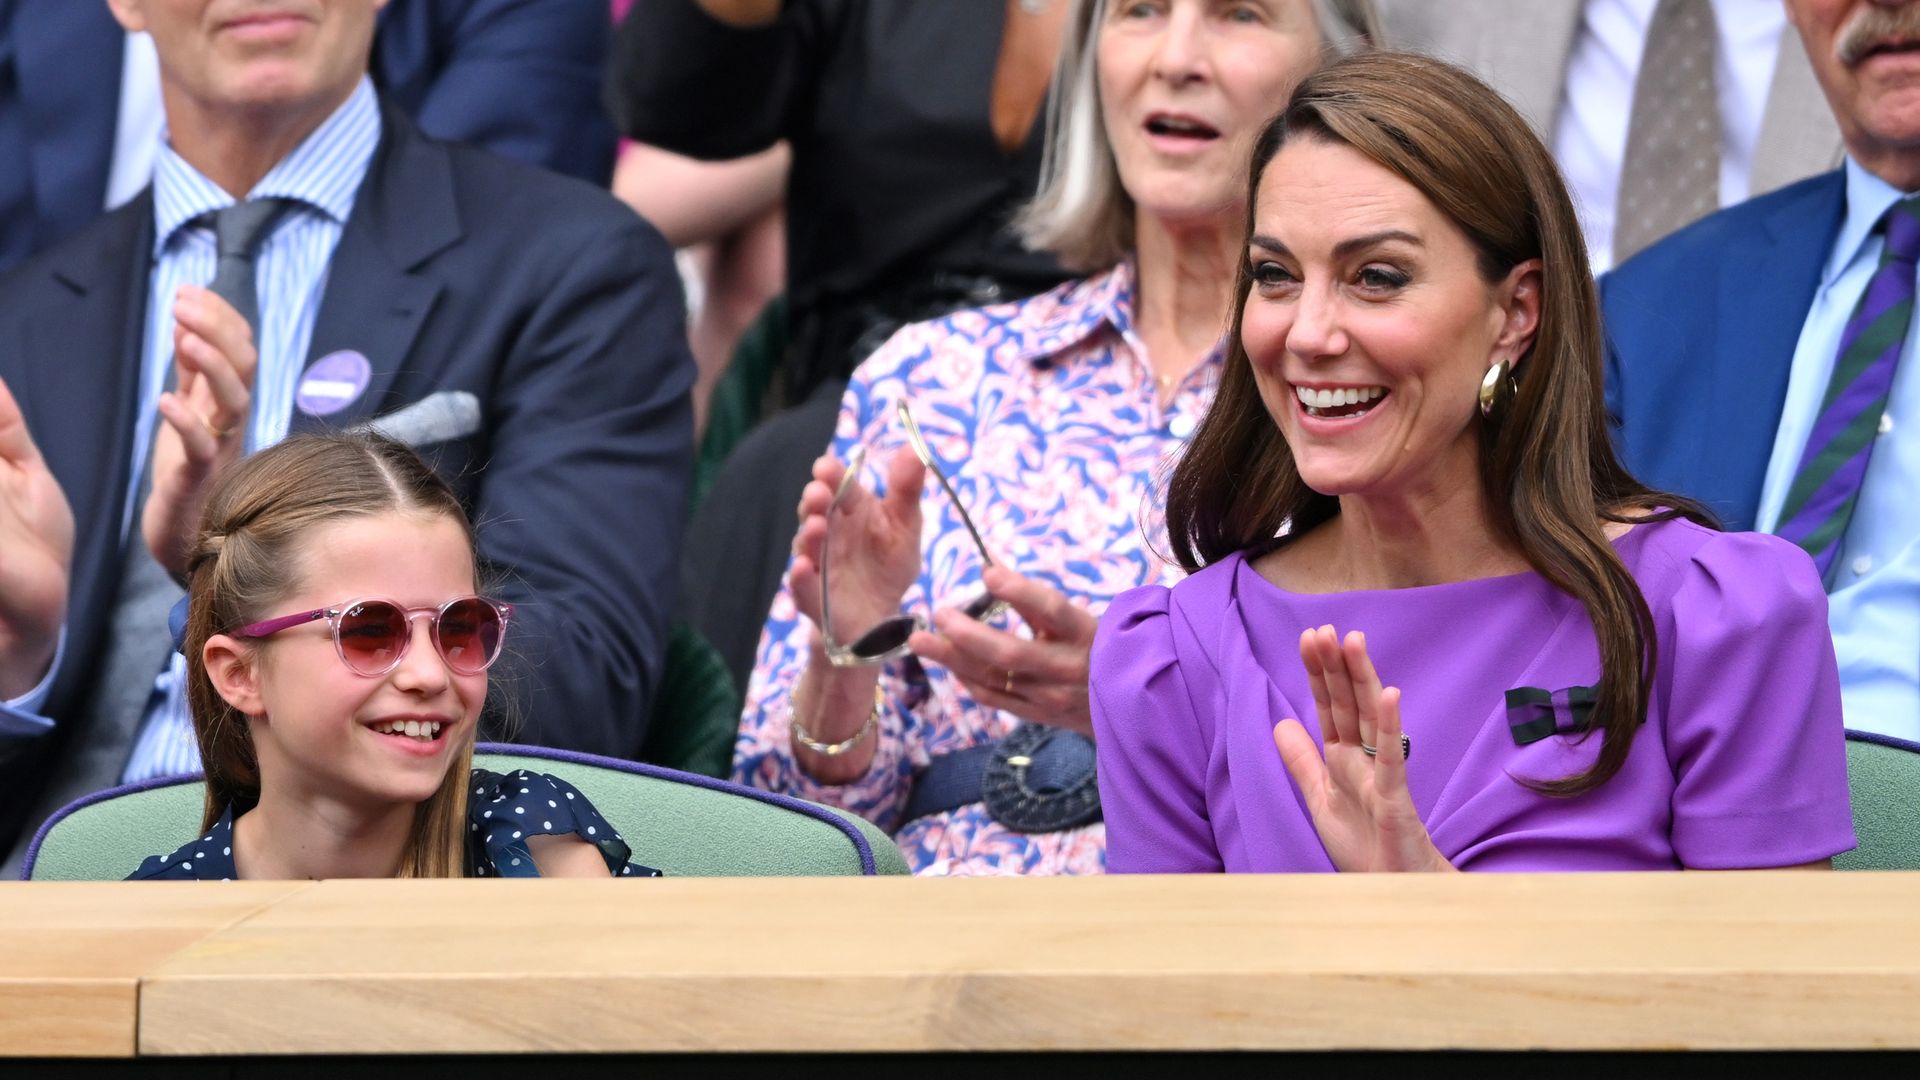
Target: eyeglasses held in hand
(372, 636)
(889, 638)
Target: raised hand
(1359, 802)
(36, 555)
(1043, 680)
(206, 420)
(876, 542)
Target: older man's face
(1867, 56)
(256, 56)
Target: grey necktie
(237, 232)
(1671, 174)
(139, 649)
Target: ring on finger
(1406, 747)
(1007, 687)
(216, 432)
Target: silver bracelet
(801, 735)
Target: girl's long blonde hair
(241, 565)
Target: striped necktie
(1826, 486)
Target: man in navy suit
(519, 77)
(524, 330)
(1763, 362)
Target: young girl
(337, 662)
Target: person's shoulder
(965, 345)
(1722, 234)
(520, 786)
(175, 866)
(1678, 562)
(99, 252)
(511, 204)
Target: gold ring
(1008, 688)
(218, 433)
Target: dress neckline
(1446, 589)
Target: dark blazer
(519, 77)
(1701, 330)
(547, 299)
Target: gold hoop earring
(1496, 390)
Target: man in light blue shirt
(1725, 340)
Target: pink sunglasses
(372, 636)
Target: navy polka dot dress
(503, 810)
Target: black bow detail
(1533, 713)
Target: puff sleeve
(505, 809)
(1151, 742)
(1750, 693)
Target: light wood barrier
(72, 954)
(1792, 959)
(1779, 960)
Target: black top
(502, 811)
(900, 195)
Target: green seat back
(684, 825)
(1883, 776)
(696, 712)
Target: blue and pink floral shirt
(1045, 415)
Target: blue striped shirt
(321, 176)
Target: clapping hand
(36, 555)
(1042, 680)
(206, 420)
(876, 542)
(1359, 801)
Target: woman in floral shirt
(1052, 417)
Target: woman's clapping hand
(1359, 801)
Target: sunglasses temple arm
(965, 518)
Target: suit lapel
(87, 346)
(69, 58)
(379, 289)
(1768, 278)
(1798, 135)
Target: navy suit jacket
(1701, 330)
(547, 299)
(519, 77)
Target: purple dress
(1741, 764)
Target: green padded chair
(679, 823)
(696, 712)
(1883, 774)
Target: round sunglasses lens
(370, 636)
(470, 633)
(883, 639)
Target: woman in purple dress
(1409, 444)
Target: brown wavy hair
(1547, 466)
(240, 568)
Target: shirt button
(1863, 564)
(1182, 426)
(1886, 423)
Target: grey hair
(1081, 213)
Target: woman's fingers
(1365, 683)
(1317, 683)
(1303, 761)
(905, 478)
(1044, 607)
(1339, 686)
(1390, 765)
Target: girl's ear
(231, 668)
(1520, 305)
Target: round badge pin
(333, 382)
